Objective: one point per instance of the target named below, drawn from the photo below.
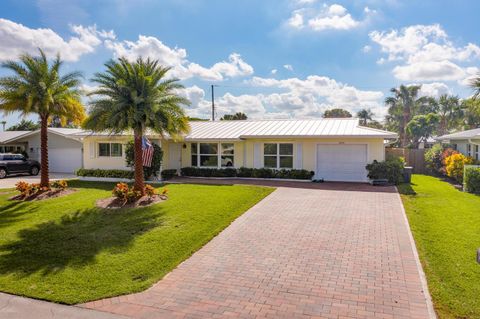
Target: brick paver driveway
(300, 253)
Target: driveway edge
(423, 278)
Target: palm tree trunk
(139, 184)
(406, 119)
(44, 180)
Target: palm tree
(449, 110)
(365, 115)
(403, 105)
(38, 88)
(134, 96)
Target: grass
(66, 250)
(446, 225)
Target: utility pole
(213, 103)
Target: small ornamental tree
(154, 169)
(455, 164)
(433, 158)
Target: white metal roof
(312, 128)
(245, 129)
(66, 132)
(8, 135)
(475, 133)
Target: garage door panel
(342, 162)
(64, 160)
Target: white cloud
(327, 17)
(425, 53)
(148, 46)
(274, 71)
(434, 89)
(288, 67)
(16, 39)
(366, 49)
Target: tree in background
(134, 96)
(421, 127)
(36, 87)
(24, 125)
(236, 116)
(402, 106)
(375, 124)
(449, 111)
(365, 115)
(337, 113)
(471, 113)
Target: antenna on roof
(213, 101)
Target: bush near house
(168, 173)
(472, 180)
(391, 170)
(454, 165)
(156, 160)
(111, 173)
(248, 172)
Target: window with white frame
(110, 149)
(278, 155)
(477, 152)
(469, 150)
(213, 154)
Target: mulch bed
(116, 203)
(53, 193)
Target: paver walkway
(299, 253)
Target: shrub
(454, 165)
(126, 194)
(112, 173)
(168, 173)
(433, 158)
(247, 172)
(150, 191)
(472, 179)
(59, 184)
(24, 188)
(156, 160)
(391, 170)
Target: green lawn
(68, 251)
(446, 225)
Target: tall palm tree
(365, 115)
(36, 87)
(450, 112)
(403, 105)
(134, 96)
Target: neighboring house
(466, 142)
(335, 149)
(64, 147)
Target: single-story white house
(466, 142)
(64, 147)
(335, 149)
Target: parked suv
(17, 163)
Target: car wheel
(34, 171)
(3, 173)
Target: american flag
(147, 152)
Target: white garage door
(64, 160)
(342, 162)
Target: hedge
(112, 173)
(247, 172)
(168, 173)
(391, 170)
(472, 180)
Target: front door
(174, 156)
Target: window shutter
(92, 149)
(257, 157)
(299, 158)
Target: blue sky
(270, 58)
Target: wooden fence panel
(413, 157)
